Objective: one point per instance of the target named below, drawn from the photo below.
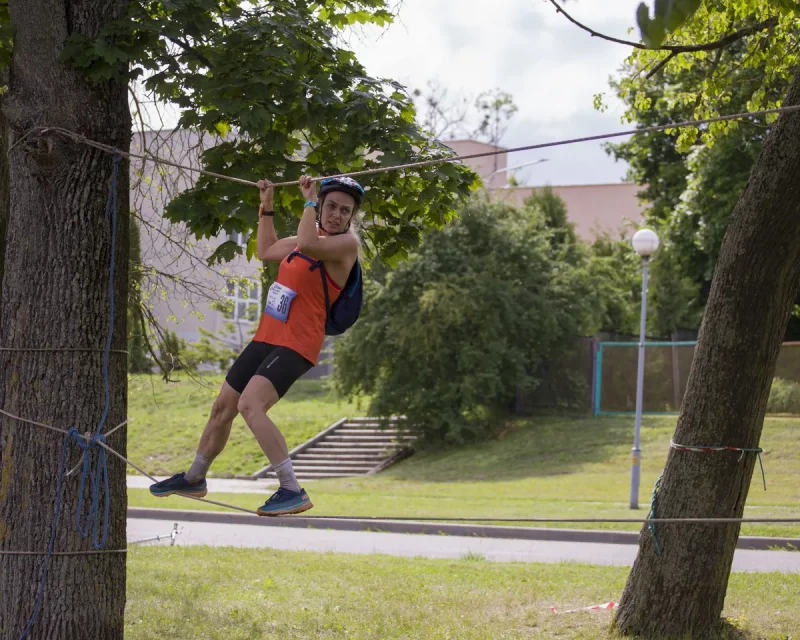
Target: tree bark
(55, 294)
(753, 290)
(4, 183)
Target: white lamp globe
(645, 242)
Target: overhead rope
(411, 165)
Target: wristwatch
(262, 213)
(310, 203)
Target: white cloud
(551, 68)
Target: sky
(551, 68)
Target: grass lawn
(166, 420)
(231, 594)
(547, 466)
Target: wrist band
(262, 213)
(310, 203)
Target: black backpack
(345, 311)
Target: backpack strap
(325, 289)
(314, 265)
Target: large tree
(274, 95)
(690, 189)
(752, 294)
(681, 589)
(55, 295)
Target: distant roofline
(485, 144)
(569, 186)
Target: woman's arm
(310, 243)
(268, 247)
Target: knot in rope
(93, 473)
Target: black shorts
(280, 365)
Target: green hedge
(784, 397)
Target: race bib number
(279, 300)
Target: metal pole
(676, 373)
(636, 451)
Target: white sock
(199, 468)
(286, 475)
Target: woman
(289, 336)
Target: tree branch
(675, 49)
(190, 49)
(661, 65)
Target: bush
(784, 397)
(211, 350)
(482, 307)
(173, 352)
(138, 357)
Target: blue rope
(92, 518)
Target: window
(238, 237)
(245, 296)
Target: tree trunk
(754, 287)
(55, 294)
(4, 183)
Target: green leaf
(261, 82)
(670, 15)
(225, 252)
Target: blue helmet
(343, 184)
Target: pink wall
(604, 207)
(483, 166)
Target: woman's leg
(218, 428)
(216, 433)
(258, 397)
(272, 380)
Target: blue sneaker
(178, 484)
(285, 501)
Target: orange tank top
(304, 329)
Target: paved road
(397, 544)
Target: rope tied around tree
(651, 525)
(714, 448)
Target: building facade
(187, 295)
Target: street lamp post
(645, 242)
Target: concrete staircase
(349, 447)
